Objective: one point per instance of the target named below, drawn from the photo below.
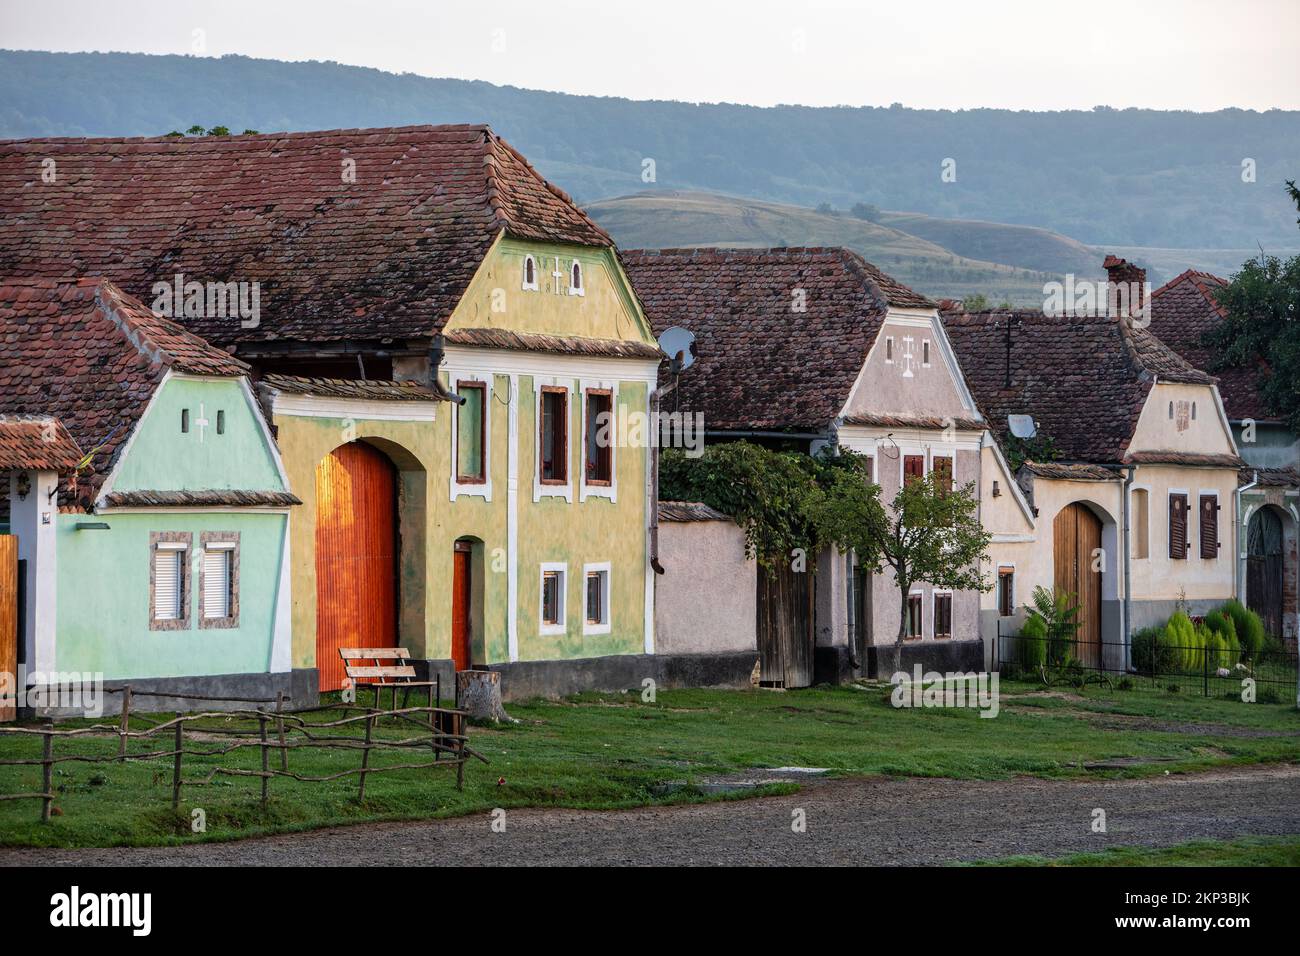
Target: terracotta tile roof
(207, 499)
(1270, 477)
(1182, 311)
(39, 442)
(1184, 459)
(561, 345)
(84, 352)
(759, 364)
(1083, 379)
(386, 256)
(684, 511)
(1065, 471)
(350, 388)
(914, 421)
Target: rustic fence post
(47, 773)
(365, 757)
(279, 720)
(176, 765)
(266, 762)
(125, 725)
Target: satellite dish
(679, 345)
(1022, 426)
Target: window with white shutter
(216, 582)
(169, 570)
(219, 579)
(169, 591)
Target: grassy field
(687, 219)
(1246, 851)
(612, 750)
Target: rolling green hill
(1133, 177)
(667, 219)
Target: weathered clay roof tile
(761, 362)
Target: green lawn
(611, 750)
(1246, 851)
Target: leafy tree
(930, 532)
(865, 210)
(1263, 326)
(770, 494)
(978, 302)
(197, 130)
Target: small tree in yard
(930, 533)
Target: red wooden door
(9, 621)
(460, 604)
(356, 556)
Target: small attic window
(889, 349)
(575, 279)
(1193, 411)
(1171, 410)
(185, 421)
(530, 273)
(925, 352)
(221, 421)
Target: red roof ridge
(1200, 279)
(260, 135)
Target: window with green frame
(470, 432)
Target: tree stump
(478, 693)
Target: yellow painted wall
(580, 532)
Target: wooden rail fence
(439, 730)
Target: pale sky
(1018, 54)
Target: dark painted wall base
(299, 685)
(522, 680)
(942, 656)
(831, 665)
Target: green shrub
(1215, 648)
(1185, 646)
(1152, 653)
(1032, 649)
(1249, 628)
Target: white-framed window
(551, 598)
(169, 580)
(1006, 590)
(219, 579)
(599, 477)
(1140, 522)
(595, 619)
(889, 350)
(915, 616)
(530, 274)
(925, 353)
(575, 279)
(552, 474)
(942, 614)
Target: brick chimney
(1127, 293)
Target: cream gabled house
(1125, 495)
(801, 349)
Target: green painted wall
(103, 603)
(162, 458)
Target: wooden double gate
(785, 626)
(9, 619)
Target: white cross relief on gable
(202, 421)
(908, 358)
(557, 275)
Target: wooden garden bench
(367, 663)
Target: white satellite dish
(679, 345)
(1022, 426)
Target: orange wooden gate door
(356, 556)
(9, 620)
(1077, 534)
(460, 603)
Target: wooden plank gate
(785, 627)
(9, 620)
